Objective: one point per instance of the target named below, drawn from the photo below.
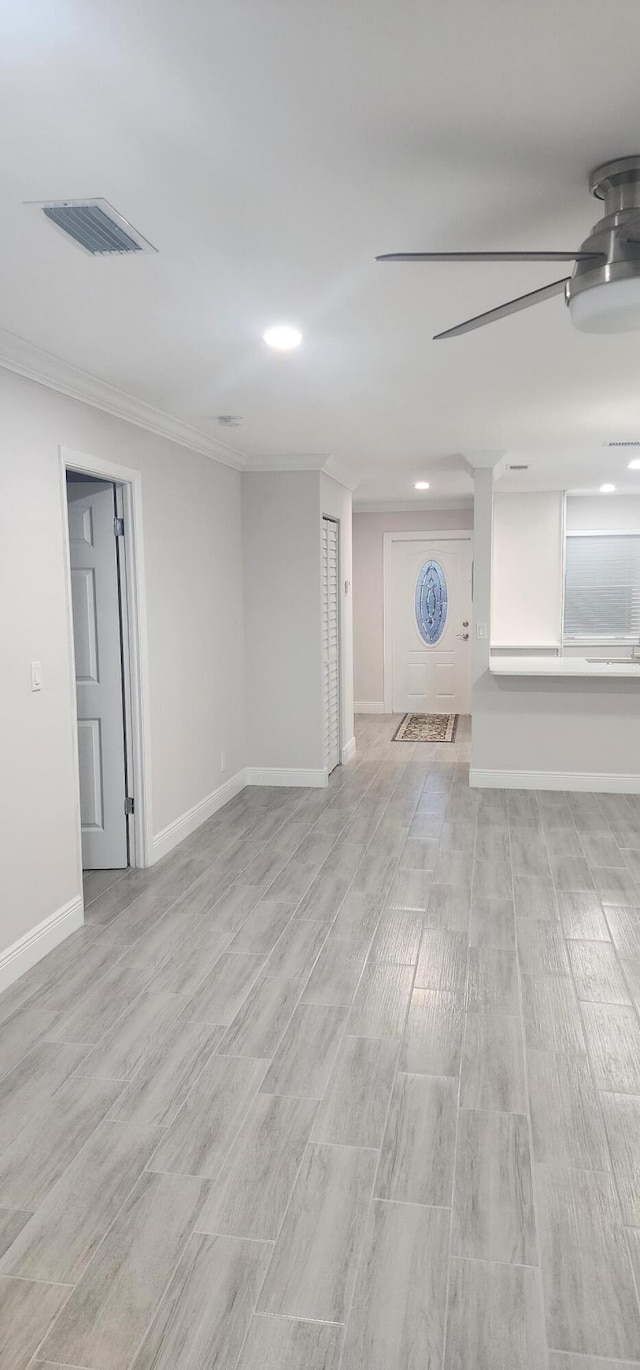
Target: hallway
(349, 1081)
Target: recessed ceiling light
(635, 464)
(607, 489)
(421, 485)
(283, 337)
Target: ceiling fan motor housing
(617, 309)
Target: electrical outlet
(223, 762)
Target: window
(602, 585)
(431, 602)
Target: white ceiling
(269, 149)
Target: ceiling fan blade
(492, 257)
(511, 307)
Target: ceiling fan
(603, 292)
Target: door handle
(464, 636)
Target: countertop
(562, 666)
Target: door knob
(464, 636)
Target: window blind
(602, 585)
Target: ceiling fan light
(613, 307)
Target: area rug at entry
(427, 728)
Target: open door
(97, 636)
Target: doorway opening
(105, 618)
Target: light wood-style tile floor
(350, 1081)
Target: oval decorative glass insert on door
(431, 602)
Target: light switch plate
(36, 675)
(481, 630)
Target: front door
(431, 617)
(98, 663)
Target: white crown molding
(16, 354)
(340, 474)
(36, 364)
(485, 461)
(303, 461)
(372, 506)
(288, 461)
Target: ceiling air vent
(521, 467)
(632, 442)
(95, 226)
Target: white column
(482, 555)
(484, 467)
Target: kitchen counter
(563, 666)
(557, 723)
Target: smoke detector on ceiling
(229, 420)
(95, 226)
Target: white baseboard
(348, 750)
(369, 707)
(283, 775)
(24, 953)
(596, 782)
(182, 827)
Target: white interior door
(98, 665)
(431, 616)
(330, 644)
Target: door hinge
(128, 805)
(118, 528)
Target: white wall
(192, 526)
(281, 522)
(335, 501)
(602, 512)
(527, 569)
(368, 589)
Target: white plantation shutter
(602, 585)
(330, 644)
